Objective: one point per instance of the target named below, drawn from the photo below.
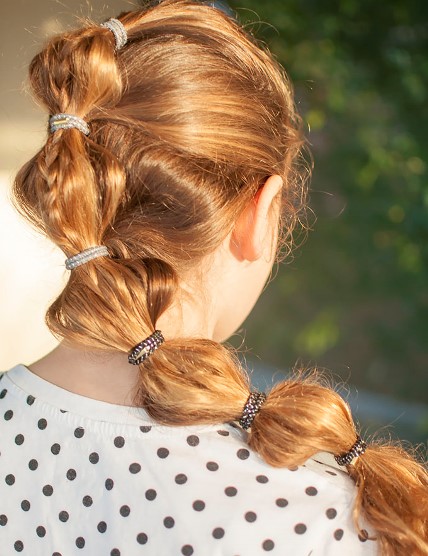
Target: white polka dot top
(80, 476)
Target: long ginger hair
(187, 121)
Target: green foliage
(355, 297)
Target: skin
(217, 301)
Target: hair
(187, 121)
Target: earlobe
(253, 230)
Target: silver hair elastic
(251, 408)
(141, 351)
(86, 256)
(355, 452)
(67, 121)
(118, 30)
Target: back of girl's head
(190, 113)
(186, 121)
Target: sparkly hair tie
(85, 256)
(67, 121)
(141, 351)
(356, 451)
(251, 408)
(118, 30)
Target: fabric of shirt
(82, 476)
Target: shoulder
(5, 380)
(306, 510)
(206, 478)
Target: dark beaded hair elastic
(251, 408)
(357, 450)
(141, 351)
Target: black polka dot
(102, 526)
(169, 522)
(94, 457)
(3, 520)
(331, 513)
(10, 479)
(180, 479)
(193, 440)
(33, 464)
(42, 424)
(55, 449)
(187, 550)
(8, 415)
(19, 439)
(19, 546)
(338, 534)
(119, 442)
(47, 490)
(151, 494)
(125, 510)
(212, 466)
(218, 533)
(243, 453)
(281, 502)
(250, 517)
(63, 516)
(134, 468)
(56, 554)
(80, 542)
(142, 538)
(30, 399)
(311, 491)
(163, 453)
(145, 428)
(41, 531)
(198, 505)
(230, 491)
(115, 552)
(3, 393)
(79, 432)
(71, 474)
(109, 484)
(87, 501)
(223, 433)
(25, 505)
(300, 528)
(63, 410)
(262, 479)
(268, 545)
(363, 535)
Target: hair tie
(141, 351)
(251, 408)
(86, 256)
(67, 121)
(118, 30)
(355, 452)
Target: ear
(253, 230)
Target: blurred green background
(354, 299)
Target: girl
(173, 159)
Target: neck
(212, 305)
(107, 376)
(99, 375)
